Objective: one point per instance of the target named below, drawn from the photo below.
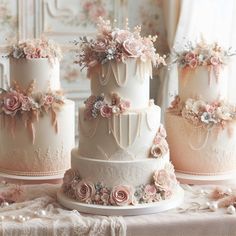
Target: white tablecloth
(42, 215)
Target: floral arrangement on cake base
(36, 48)
(17, 104)
(160, 146)
(97, 106)
(201, 113)
(117, 44)
(161, 188)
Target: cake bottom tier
(48, 155)
(200, 151)
(119, 183)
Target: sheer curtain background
(186, 20)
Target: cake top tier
(36, 48)
(112, 43)
(202, 54)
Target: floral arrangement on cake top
(117, 44)
(16, 103)
(161, 188)
(202, 54)
(160, 146)
(201, 113)
(96, 105)
(36, 48)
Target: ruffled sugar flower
(69, 176)
(121, 195)
(150, 193)
(106, 111)
(116, 44)
(12, 102)
(85, 191)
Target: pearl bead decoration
(231, 210)
(213, 206)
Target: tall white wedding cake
(122, 163)
(37, 122)
(200, 123)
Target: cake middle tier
(130, 80)
(125, 136)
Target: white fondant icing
(132, 132)
(50, 153)
(130, 80)
(112, 173)
(45, 73)
(203, 83)
(200, 151)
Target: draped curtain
(190, 20)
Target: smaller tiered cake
(37, 122)
(122, 163)
(201, 123)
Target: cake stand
(140, 209)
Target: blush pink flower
(121, 35)
(124, 105)
(11, 103)
(160, 149)
(69, 176)
(150, 189)
(133, 47)
(189, 56)
(214, 61)
(100, 46)
(106, 111)
(26, 103)
(193, 63)
(48, 100)
(164, 180)
(85, 191)
(121, 195)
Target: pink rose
(133, 47)
(193, 63)
(124, 105)
(164, 180)
(189, 56)
(121, 35)
(121, 195)
(12, 103)
(26, 103)
(100, 46)
(85, 191)
(48, 100)
(69, 176)
(214, 61)
(106, 111)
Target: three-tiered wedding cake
(202, 117)
(123, 157)
(37, 122)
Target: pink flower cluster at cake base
(36, 48)
(97, 106)
(161, 188)
(160, 146)
(199, 112)
(117, 44)
(202, 54)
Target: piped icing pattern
(160, 188)
(28, 106)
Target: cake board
(140, 209)
(20, 179)
(184, 178)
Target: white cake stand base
(18, 179)
(205, 179)
(140, 209)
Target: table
(38, 213)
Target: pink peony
(133, 47)
(124, 105)
(214, 61)
(106, 111)
(189, 56)
(12, 103)
(193, 63)
(69, 176)
(164, 180)
(121, 195)
(85, 191)
(121, 35)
